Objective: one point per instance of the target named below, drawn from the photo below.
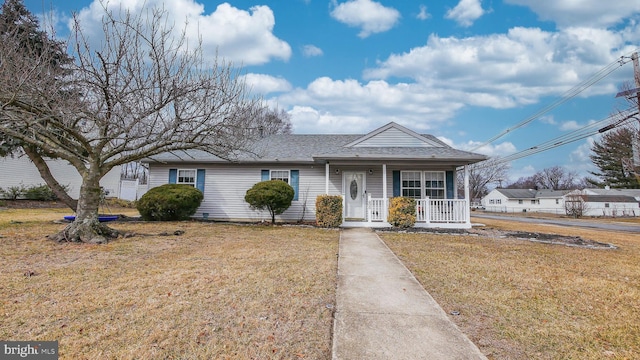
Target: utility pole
(634, 139)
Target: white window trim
(195, 177)
(271, 171)
(419, 180)
(423, 179)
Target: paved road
(584, 223)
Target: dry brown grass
(518, 299)
(216, 292)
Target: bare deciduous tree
(144, 92)
(574, 204)
(482, 174)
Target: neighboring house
(366, 170)
(20, 171)
(525, 200)
(635, 193)
(613, 204)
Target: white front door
(355, 195)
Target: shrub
(273, 195)
(329, 210)
(402, 212)
(39, 193)
(169, 202)
(14, 192)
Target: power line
(571, 93)
(589, 130)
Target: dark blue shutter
(173, 176)
(450, 185)
(200, 180)
(265, 175)
(396, 183)
(295, 175)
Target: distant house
(19, 170)
(635, 193)
(366, 170)
(612, 203)
(525, 200)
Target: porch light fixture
(370, 171)
(337, 171)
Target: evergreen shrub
(272, 195)
(329, 211)
(169, 202)
(402, 212)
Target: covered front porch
(366, 189)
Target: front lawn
(215, 292)
(518, 299)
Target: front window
(434, 184)
(519, 201)
(187, 177)
(411, 184)
(280, 175)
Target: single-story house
(615, 205)
(525, 200)
(20, 171)
(635, 193)
(366, 170)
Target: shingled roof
(518, 194)
(321, 148)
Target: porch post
(384, 181)
(467, 198)
(385, 201)
(326, 178)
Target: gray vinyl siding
(226, 186)
(20, 170)
(393, 138)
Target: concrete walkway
(382, 312)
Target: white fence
(131, 189)
(427, 210)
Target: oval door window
(354, 189)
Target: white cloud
(375, 102)
(570, 125)
(491, 150)
(466, 12)
(311, 50)
(507, 70)
(240, 36)
(591, 13)
(423, 14)
(548, 119)
(370, 16)
(265, 84)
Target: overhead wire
(569, 94)
(594, 128)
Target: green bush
(273, 195)
(329, 210)
(13, 192)
(169, 202)
(39, 193)
(402, 212)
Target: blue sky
(462, 70)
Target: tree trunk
(46, 175)
(86, 227)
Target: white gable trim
(393, 135)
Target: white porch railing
(441, 211)
(377, 209)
